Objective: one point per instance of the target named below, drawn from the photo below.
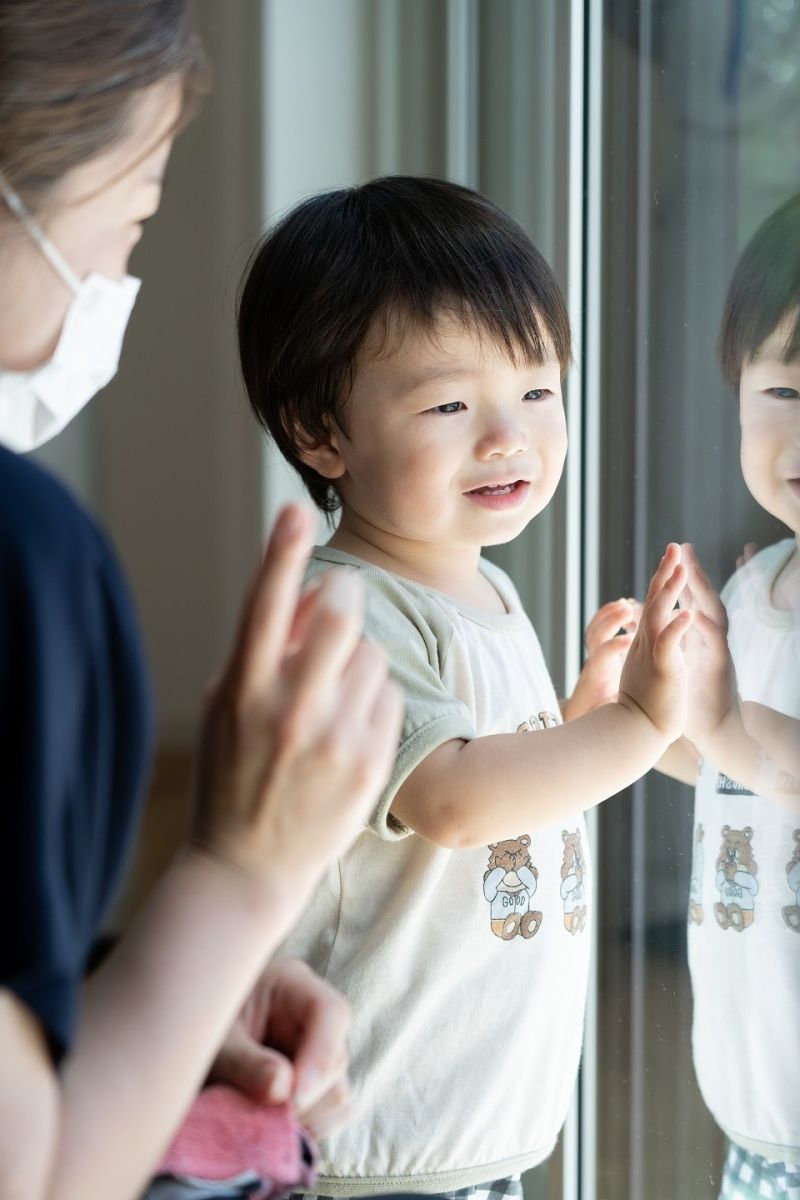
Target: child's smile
(501, 495)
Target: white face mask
(35, 405)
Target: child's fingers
(704, 595)
(271, 604)
(606, 654)
(607, 622)
(658, 610)
(667, 652)
(670, 559)
(750, 549)
(713, 637)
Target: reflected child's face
(769, 407)
(446, 441)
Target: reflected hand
(606, 649)
(712, 682)
(749, 551)
(290, 1043)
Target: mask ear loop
(53, 256)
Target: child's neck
(452, 570)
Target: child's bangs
(508, 323)
(764, 295)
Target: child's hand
(711, 684)
(749, 551)
(606, 649)
(654, 674)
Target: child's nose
(501, 439)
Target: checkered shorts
(501, 1189)
(751, 1177)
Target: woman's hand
(290, 1042)
(608, 638)
(300, 731)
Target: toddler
(404, 343)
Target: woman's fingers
(333, 629)
(271, 605)
(333, 1111)
(387, 723)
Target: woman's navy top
(75, 733)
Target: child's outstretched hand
(609, 635)
(711, 688)
(654, 675)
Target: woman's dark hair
(765, 290)
(69, 72)
(401, 247)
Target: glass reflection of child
(744, 719)
(404, 343)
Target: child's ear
(324, 457)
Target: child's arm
(471, 793)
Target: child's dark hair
(399, 246)
(765, 290)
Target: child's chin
(501, 537)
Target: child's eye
(536, 394)
(453, 407)
(782, 393)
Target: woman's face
(94, 217)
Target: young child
(404, 343)
(744, 719)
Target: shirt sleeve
(415, 634)
(75, 718)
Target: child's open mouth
(500, 495)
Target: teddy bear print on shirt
(509, 885)
(791, 912)
(696, 885)
(736, 879)
(573, 882)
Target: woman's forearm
(151, 1021)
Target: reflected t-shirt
(744, 910)
(75, 717)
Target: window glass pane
(702, 143)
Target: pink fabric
(226, 1133)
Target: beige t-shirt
(744, 914)
(466, 969)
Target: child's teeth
(497, 491)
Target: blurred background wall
(307, 94)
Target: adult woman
(91, 96)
